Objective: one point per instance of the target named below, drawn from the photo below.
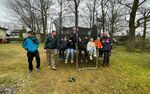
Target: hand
(45, 50)
(87, 51)
(111, 51)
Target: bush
(142, 44)
(121, 40)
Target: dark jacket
(106, 43)
(73, 37)
(70, 43)
(63, 44)
(83, 44)
(50, 42)
(31, 44)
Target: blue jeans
(92, 51)
(70, 50)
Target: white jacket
(90, 45)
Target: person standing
(107, 47)
(31, 44)
(50, 46)
(74, 35)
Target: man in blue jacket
(31, 44)
(107, 47)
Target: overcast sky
(4, 14)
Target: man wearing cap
(31, 44)
(50, 47)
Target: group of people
(69, 44)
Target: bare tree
(114, 17)
(33, 13)
(24, 12)
(74, 6)
(92, 7)
(62, 9)
(104, 10)
(43, 6)
(60, 14)
(143, 20)
(133, 7)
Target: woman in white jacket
(91, 48)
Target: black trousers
(61, 51)
(106, 57)
(30, 59)
(100, 52)
(85, 53)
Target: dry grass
(129, 74)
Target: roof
(69, 21)
(18, 30)
(3, 28)
(78, 27)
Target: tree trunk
(76, 17)
(94, 27)
(61, 10)
(103, 19)
(132, 27)
(112, 31)
(144, 32)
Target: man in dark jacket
(107, 47)
(31, 44)
(51, 49)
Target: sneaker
(86, 60)
(49, 67)
(108, 65)
(103, 65)
(54, 68)
(66, 61)
(37, 69)
(101, 56)
(91, 58)
(95, 55)
(71, 61)
(30, 71)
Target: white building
(2, 34)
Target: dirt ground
(129, 74)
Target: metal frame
(77, 56)
(85, 68)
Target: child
(70, 49)
(82, 46)
(99, 47)
(63, 47)
(91, 48)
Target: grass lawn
(129, 74)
